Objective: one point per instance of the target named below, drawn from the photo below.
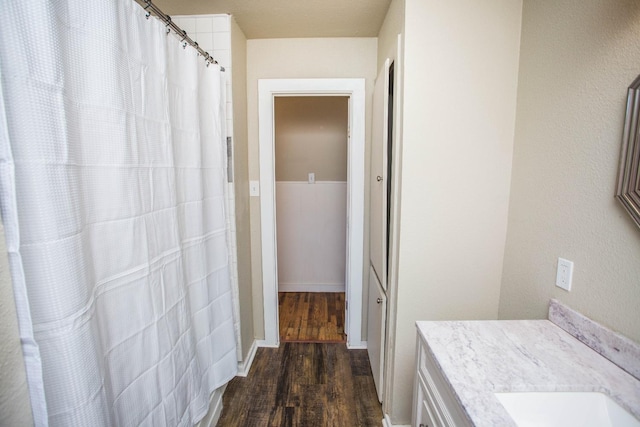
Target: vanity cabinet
(434, 404)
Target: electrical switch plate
(564, 274)
(254, 188)
(312, 178)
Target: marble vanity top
(480, 358)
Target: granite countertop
(480, 358)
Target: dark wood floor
(311, 316)
(304, 384)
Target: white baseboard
(305, 287)
(386, 422)
(215, 408)
(245, 366)
(359, 345)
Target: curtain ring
(184, 45)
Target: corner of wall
(241, 177)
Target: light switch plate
(312, 178)
(564, 274)
(254, 188)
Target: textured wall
(15, 406)
(392, 26)
(577, 59)
(311, 136)
(460, 87)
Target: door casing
(268, 89)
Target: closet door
(378, 214)
(376, 329)
(378, 184)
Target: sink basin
(565, 409)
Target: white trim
(360, 345)
(307, 287)
(245, 366)
(215, 408)
(355, 89)
(386, 422)
(265, 344)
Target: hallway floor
(311, 316)
(304, 384)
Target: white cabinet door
(376, 329)
(378, 201)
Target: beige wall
(311, 136)
(460, 82)
(577, 59)
(241, 181)
(15, 406)
(301, 58)
(392, 26)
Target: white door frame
(355, 90)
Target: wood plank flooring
(304, 384)
(311, 316)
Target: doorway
(311, 140)
(268, 90)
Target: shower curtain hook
(148, 11)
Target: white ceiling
(291, 18)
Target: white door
(375, 330)
(378, 201)
(377, 304)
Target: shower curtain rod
(150, 7)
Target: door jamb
(355, 90)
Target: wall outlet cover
(564, 275)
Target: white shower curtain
(112, 167)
